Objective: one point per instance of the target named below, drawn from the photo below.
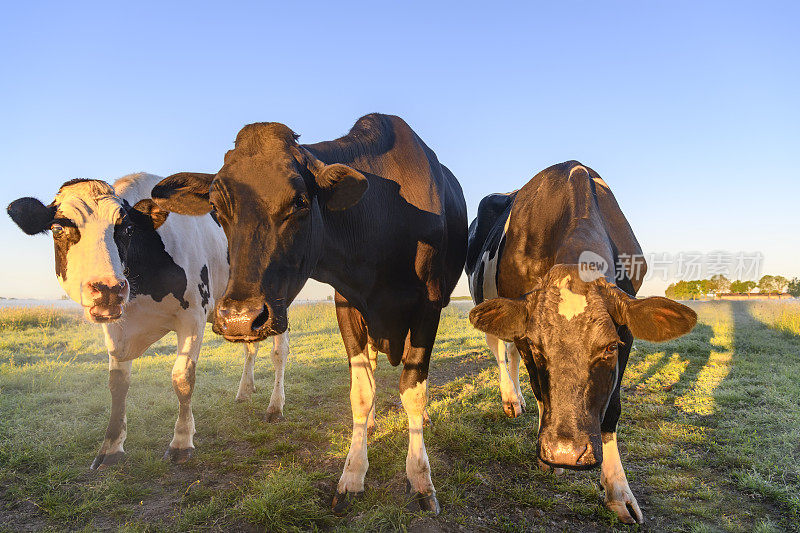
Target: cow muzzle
(104, 298)
(248, 322)
(576, 454)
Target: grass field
(710, 434)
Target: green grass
(709, 434)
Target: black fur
(150, 270)
(203, 286)
(575, 360)
(31, 215)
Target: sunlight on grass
(708, 434)
(700, 400)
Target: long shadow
(697, 348)
(760, 450)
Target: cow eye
(300, 202)
(612, 348)
(57, 229)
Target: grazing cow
(375, 215)
(141, 274)
(550, 273)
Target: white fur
(509, 387)
(192, 242)
(615, 482)
(362, 398)
(418, 468)
(571, 304)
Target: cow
(141, 273)
(553, 269)
(374, 214)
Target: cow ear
(659, 319)
(31, 215)
(149, 209)
(185, 193)
(343, 186)
(654, 319)
(501, 317)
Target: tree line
(705, 288)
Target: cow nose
(241, 320)
(569, 453)
(108, 291)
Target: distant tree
(720, 284)
(670, 292)
(678, 290)
(781, 283)
(793, 287)
(695, 288)
(742, 287)
(766, 284)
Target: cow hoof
(370, 430)
(627, 512)
(274, 416)
(178, 456)
(426, 419)
(342, 500)
(426, 503)
(240, 398)
(512, 410)
(103, 461)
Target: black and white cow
(141, 274)
(551, 272)
(375, 215)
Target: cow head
(92, 231)
(268, 196)
(567, 333)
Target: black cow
(375, 215)
(553, 272)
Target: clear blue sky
(689, 110)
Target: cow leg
(373, 363)
(414, 395)
(119, 381)
(619, 497)
(280, 354)
(362, 399)
(124, 344)
(513, 358)
(183, 374)
(247, 385)
(511, 404)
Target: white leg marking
(418, 469)
(280, 354)
(619, 497)
(513, 358)
(362, 399)
(183, 375)
(247, 385)
(373, 363)
(511, 403)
